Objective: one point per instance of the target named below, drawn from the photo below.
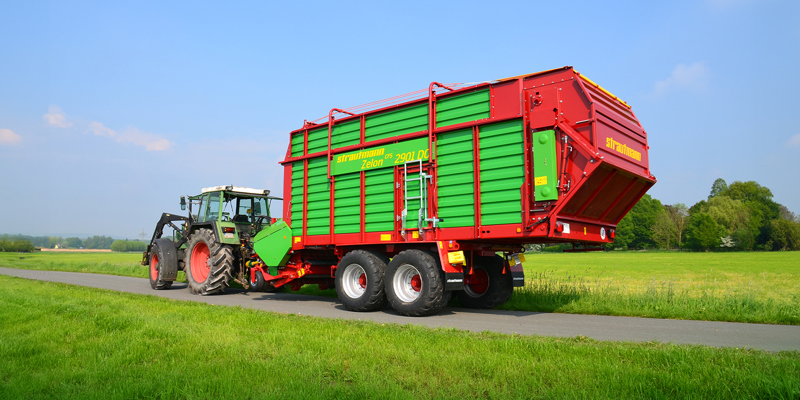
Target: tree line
(739, 216)
(25, 243)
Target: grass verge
(735, 287)
(62, 341)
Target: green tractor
(214, 244)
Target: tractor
(214, 243)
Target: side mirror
(183, 203)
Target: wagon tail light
(612, 234)
(559, 227)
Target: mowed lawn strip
(62, 341)
(757, 287)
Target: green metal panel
(455, 179)
(379, 200)
(273, 244)
(544, 166)
(463, 108)
(502, 172)
(297, 198)
(398, 122)
(319, 197)
(412, 218)
(297, 144)
(318, 140)
(347, 203)
(346, 134)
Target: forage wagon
(413, 199)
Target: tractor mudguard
(169, 263)
(273, 244)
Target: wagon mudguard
(273, 244)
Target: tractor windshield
(241, 209)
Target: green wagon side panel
(318, 140)
(398, 122)
(463, 108)
(379, 200)
(502, 172)
(412, 219)
(347, 203)
(346, 134)
(544, 166)
(319, 197)
(297, 145)
(455, 179)
(297, 198)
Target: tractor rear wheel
(157, 257)
(415, 285)
(360, 281)
(488, 287)
(209, 264)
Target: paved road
(718, 334)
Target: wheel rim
(354, 281)
(200, 268)
(478, 283)
(154, 267)
(407, 283)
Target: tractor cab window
(260, 207)
(243, 211)
(201, 209)
(213, 207)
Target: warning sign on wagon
(387, 155)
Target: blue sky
(110, 111)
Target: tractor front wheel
(157, 257)
(208, 265)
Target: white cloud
(56, 117)
(101, 130)
(685, 77)
(794, 141)
(150, 141)
(7, 136)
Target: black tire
(495, 287)
(415, 284)
(157, 257)
(360, 281)
(257, 284)
(261, 285)
(212, 270)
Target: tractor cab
(232, 212)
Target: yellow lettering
(623, 148)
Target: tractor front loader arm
(166, 219)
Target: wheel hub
(354, 281)
(199, 261)
(407, 283)
(154, 267)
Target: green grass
(62, 341)
(737, 287)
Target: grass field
(738, 287)
(62, 341)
